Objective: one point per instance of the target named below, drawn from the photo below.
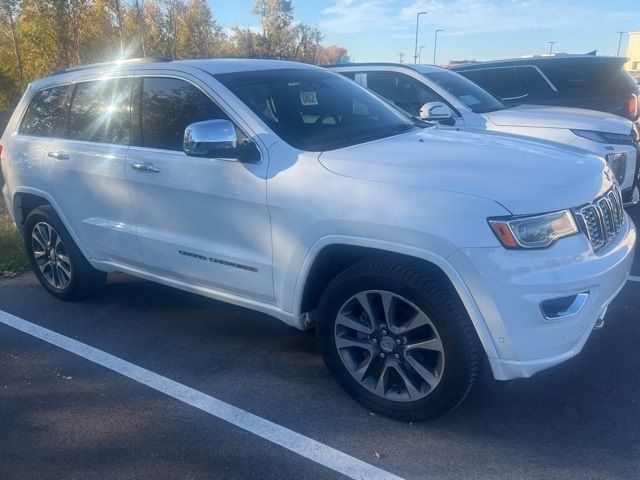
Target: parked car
(582, 81)
(437, 94)
(416, 251)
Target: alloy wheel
(389, 345)
(51, 256)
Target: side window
(532, 81)
(45, 113)
(169, 105)
(502, 82)
(404, 91)
(100, 111)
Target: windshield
(474, 97)
(313, 109)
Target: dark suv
(583, 81)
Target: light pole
(415, 53)
(435, 45)
(420, 53)
(620, 42)
(400, 56)
(551, 44)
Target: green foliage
(40, 36)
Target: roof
(212, 66)
(422, 68)
(533, 60)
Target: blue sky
(375, 30)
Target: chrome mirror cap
(435, 111)
(211, 138)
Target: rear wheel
(55, 258)
(398, 340)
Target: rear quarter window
(594, 77)
(46, 113)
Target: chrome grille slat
(603, 218)
(607, 218)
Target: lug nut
(382, 355)
(374, 340)
(396, 356)
(384, 332)
(398, 341)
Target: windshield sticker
(308, 98)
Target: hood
(524, 176)
(559, 117)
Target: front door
(200, 220)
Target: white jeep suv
(417, 251)
(440, 95)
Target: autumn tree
(331, 55)
(40, 36)
(9, 10)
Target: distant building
(633, 52)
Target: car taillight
(632, 106)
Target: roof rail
(126, 61)
(371, 64)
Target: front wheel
(398, 340)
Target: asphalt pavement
(64, 416)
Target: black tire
(84, 279)
(461, 349)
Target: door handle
(58, 155)
(145, 167)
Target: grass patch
(12, 256)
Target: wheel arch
(23, 204)
(330, 255)
(26, 199)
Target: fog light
(562, 307)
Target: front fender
(294, 303)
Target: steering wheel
(322, 118)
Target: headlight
(606, 137)
(536, 231)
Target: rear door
(42, 120)
(200, 220)
(502, 82)
(85, 173)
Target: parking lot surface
(64, 416)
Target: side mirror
(435, 111)
(212, 138)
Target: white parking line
(634, 278)
(311, 449)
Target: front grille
(603, 218)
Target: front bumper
(509, 287)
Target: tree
(10, 9)
(40, 36)
(332, 54)
(199, 35)
(276, 17)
